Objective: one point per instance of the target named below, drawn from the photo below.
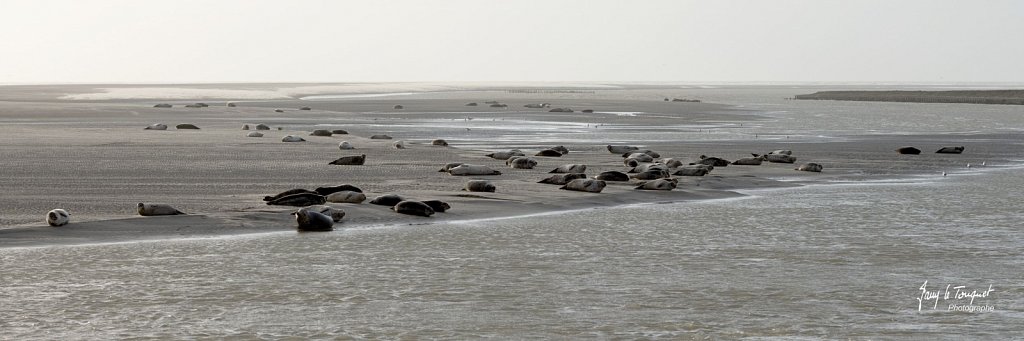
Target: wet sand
(92, 157)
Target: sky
(208, 41)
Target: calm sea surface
(839, 260)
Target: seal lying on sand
(438, 205)
(523, 163)
(465, 169)
(292, 138)
(332, 189)
(339, 132)
(344, 145)
(479, 186)
(287, 193)
(58, 217)
(262, 126)
(621, 149)
(651, 174)
(156, 126)
(612, 176)
(750, 161)
(908, 151)
(310, 220)
(346, 197)
(439, 142)
(561, 149)
(810, 167)
(186, 126)
(672, 163)
(585, 185)
(506, 154)
(380, 137)
(400, 144)
(711, 161)
(639, 157)
(780, 158)
(336, 214)
(648, 167)
(562, 179)
(692, 171)
(354, 160)
(647, 152)
(157, 209)
(449, 166)
(781, 151)
(658, 185)
(321, 132)
(950, 150)
(549, 153)
(570, 168)
(411, 207)
(254, 134)
(387, 200)
(299, 200)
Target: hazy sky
(163, 41)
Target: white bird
(983, 163)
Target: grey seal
(810, 167)
(651, 174)
(254, 134)
(287, 193)
(299, 200)
(411, 207)
(355, 160)
(908, 151)
(157, 209)
(344, 145)
(523, 163)
(332, 189)
(321, 132)
(751, 161)
(711, 161)
(449, 166)
(380, 137)
(58, 217)
(658, 185)
(465, 169)
(156, 126)
(186, 126)
(387, 200)
(549, 153)
(612, 176)
(479, 186)
(621, 149)
(292, 138)
(336, 214)
(439, 142)
(562, 179)
(309, 220)
(950, 150)
(438, 205)
(780, 158)
(506, 154)
(585, 185)
(346, 197)
(570, 168)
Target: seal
(549, 153)
(585, 185)
(523, 163)
(621, 149)
(950, 150)
(810, 167)
(387, 200)
(561, 149)
(287, 193)
(157, 209)
(245, 127)
(648, 152)
(163, 105)
(58, 217)
(339, 132)
(336, 214)
(692, 171)
(262, 126)
(751, 161)
(648, 167)
(292, 138)
(254, 134)
(411, 207)
(651, 174)
(506, 154)
(321, 132)
(570, 168)
(658, 185)
(639, 157)
(344, 145)
(908, 151)
(439, 142)
(186, 126)
(346, 197)
(562, 179)
(711, 161)
(672, 163)
(465, 169)
(781, 151)
(612, 176)
(449, 166)
(400, 144)
(156, 126)
(380, 137)
(309, 220)
(354, 160)
(779, 158)
(479, 186)
(332, 189)
(438, 205)
(299, 200)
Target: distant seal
(321, 132)
(310, 220)
(439, 142)
(810, 167)
(438, 205)
(523, 163)
(354, 160)
(380, 137)
(711, 161)
(781, 151)
(449, 166)
(641, 157)
(612, 176)
(399, 107)
(156, 126)
(411, 207)
(305, 108)
(387, 200)
(672, 163)
(287, 193)
(163, 105)
(658, 185)
(400, 144)
(344, 145)
(648, 167)
(254, 134)
(549, 153)
(479, 186)
(186, 126)
(621, 149)
(230, 104)
(585, 185)
(292, 138)
(780, 158)
(339, 132)
(157, 209)
(751, 161)
(570, 168)
(278, 110)
(262, 126)
(561, 149)
(465, 169)
(691, 171)
(562, 179)
(58, 217)
(908, 151)
(506, 154)
(299, 200)
(336, 214)
(245, 127)
(346, 197)
(651, 174)
(332, 189)
(512, 159)
(950, 150)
